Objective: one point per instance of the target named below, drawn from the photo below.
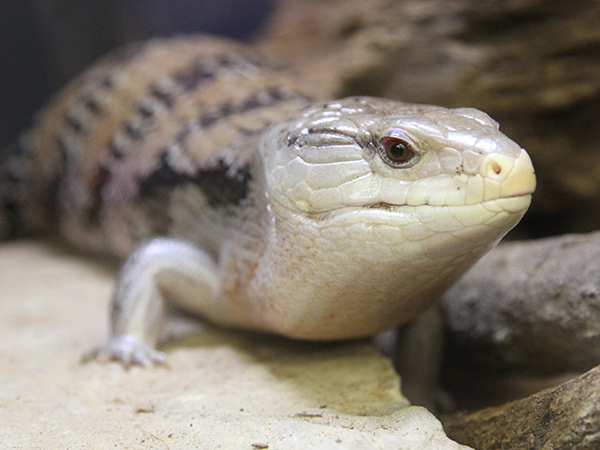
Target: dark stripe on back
(201, 70)
(89, 96)
(262, 99)
(10, 189)
(74, 123)
(136, 131)
(91, 104)
(222, 185)
(159, 94)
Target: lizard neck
(348, 278)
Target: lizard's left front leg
(159, 268)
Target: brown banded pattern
(186, 110)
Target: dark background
(45, 43)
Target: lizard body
(233, 194)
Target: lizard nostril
(494, 168)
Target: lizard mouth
(514, 200)
(513, 204)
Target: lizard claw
(128, 350)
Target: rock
(417, 355)
(533, 65)
(222, 389)
(562, 418)
(529, 306)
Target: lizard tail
(20, 211)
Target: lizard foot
(128, 350)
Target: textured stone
(562, 418)
(222, 389)
(529, 306)
(534, 65)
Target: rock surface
(534, 65)
(222, 389)
(530, 306)
(563, 418)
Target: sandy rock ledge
(222, 389)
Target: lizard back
(104, 157)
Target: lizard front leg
(159, 269)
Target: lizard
(229, 191)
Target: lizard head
(427, 168)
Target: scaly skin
(233, 195)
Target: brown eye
(396, 149)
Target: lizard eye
(396, 149)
